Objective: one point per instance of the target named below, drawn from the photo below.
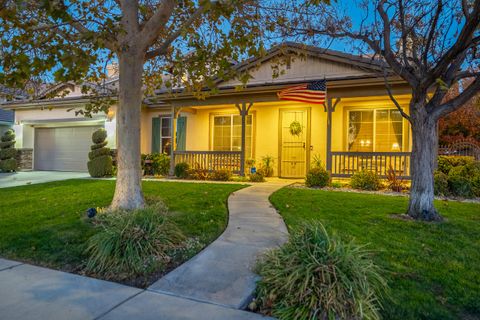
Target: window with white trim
(165, 134)
(227, 133)
(379, 130)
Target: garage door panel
(63, 149)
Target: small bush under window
(365, 180)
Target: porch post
(243, 109)
(330, 108)
(173, 134)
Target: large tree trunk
(128, 190)
(424, 158)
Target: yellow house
(358, 127)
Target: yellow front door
(294, 144)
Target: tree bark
(128, 191)
(424, 158)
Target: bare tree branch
(156, 23)
(458, 101)
(388, 53)
(167, 42)
(462, 43)
(390, 94)
(433, 27)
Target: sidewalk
(213, 285)
(222, 273)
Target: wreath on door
(295, 128)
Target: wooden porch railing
(211, 160)
(345, 164)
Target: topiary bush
(132, 243)
(100, 164)
(220, 175)
(365, 180)
(315, 276)
(181, 170)
(8, 153)
(317, 177)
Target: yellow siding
(266, 125)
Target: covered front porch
(354, 130)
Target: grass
(433, 269)
(45, 224)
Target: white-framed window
(375, 130)
(227, 133)
(165, 134)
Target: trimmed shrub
(459, 185)
(100, 164)
(98, 153)
(446, 163)
(181, 170)
(220, 175)
(132, 243)
(315, 276)
(198, 174)
(317, 177)
(462, 174)
(8, 153)
(440, 183)
(99, 145)
(99, 136)
(159, 164)
(256, 177)
(476, 185)
(365, 180)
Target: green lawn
(45, 224)
(433, 269)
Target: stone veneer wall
(25, 159)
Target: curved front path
(222, 273)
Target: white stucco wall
(27, 120)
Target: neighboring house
(6, 117)
(361, 128)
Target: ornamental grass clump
(132, 243)
(315, 276)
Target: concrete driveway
(34, 177)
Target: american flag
(313, 92)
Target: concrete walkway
(33, 177)
(222, 273)
(211, 286)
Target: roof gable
(293, 62)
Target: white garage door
(62, 149)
